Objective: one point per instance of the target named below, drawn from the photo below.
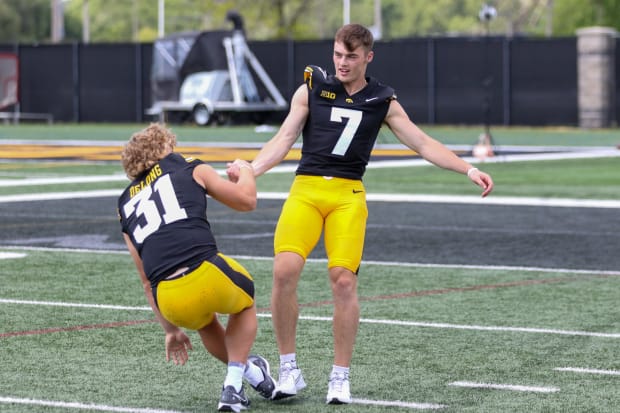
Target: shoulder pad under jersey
(383, 91)
(314, 75)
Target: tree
(24, 21)
(570, 15)
(137, 20)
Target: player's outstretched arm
(274, 151)
(431, 149)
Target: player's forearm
(270, 155)
(438, 154)
(247, 189)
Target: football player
(339, 116)
(186, 279)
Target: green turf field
(76, 334)
(595, 178)
(423, 331)
(573, 178)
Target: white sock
(234, 375)
(340, 370)
(288, 358)
(253, 374)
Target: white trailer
(212, 95)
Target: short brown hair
(145, 148)
(354, 36)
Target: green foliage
(24, 21)
(137, 20)
(573, 14)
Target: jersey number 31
(143, 205)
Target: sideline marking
(592, 371)
(371, 197)
(512, 387)
(86, 406)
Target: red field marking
(328, 302)
(463, 289)
(74, 328)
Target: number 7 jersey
(341, 129)
(164, 213)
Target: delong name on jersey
(152, 176)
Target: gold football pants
(219, 285)
(336, 206)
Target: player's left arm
(238, 194)
(432, 150)
(176, 341)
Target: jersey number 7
(348, 133)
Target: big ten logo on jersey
(327, 94)
(148, 180)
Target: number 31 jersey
(341, 129)
(164, 213)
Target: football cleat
(232, 400)
(267, 387)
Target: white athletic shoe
(339, 391)
(290, 381)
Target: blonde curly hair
(145, 148)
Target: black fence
(502, 81)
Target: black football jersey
(164, 212)
(341, 130)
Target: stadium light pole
(85, 22)
(376, 28)
(161, 18)
(58, 28)
(346, 12)
(485, 144)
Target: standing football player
(186, 279)
(339, 117)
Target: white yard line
(118, 409)
(72, 305)
(11, 255)
(512, 387)
(323, 260)
(372, 197)
(5, 183)
(81, 406)
(386, 403)
(401, 323)
(588, 371)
